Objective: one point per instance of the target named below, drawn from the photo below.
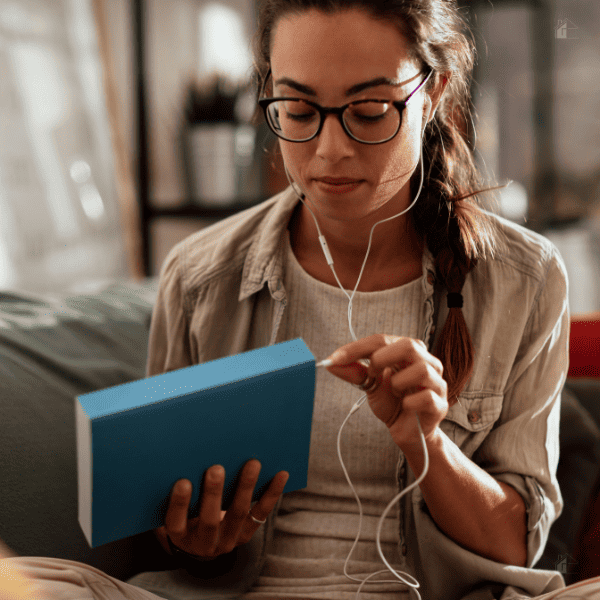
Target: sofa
(54, 347)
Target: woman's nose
(333, 142)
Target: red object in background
(584, 351)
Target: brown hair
(447, 215)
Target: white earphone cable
(361, 401)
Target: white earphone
(414, 584)
(427, 112)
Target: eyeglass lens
(296, 120)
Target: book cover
(135, 440)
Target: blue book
(135, 440)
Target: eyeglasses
(366, 121)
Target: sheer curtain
(60, 219)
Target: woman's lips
(338, 185)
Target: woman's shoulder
(522, 250)
(227, 242)
(233, 232)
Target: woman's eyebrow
(355, 89)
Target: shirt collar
(264, 261)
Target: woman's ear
(432, 101)
(427, 112)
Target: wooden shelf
(149, 212)
(192, 210)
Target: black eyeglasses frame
(326, 110)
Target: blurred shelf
(186, 209)
(562, 223)
(190, 209)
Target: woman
(462, 316)
(485, 385)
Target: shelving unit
(193, 210)
(148, 211)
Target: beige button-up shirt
(221, 292)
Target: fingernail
(337, 358)
(255, 467)
(182, 487)
(217, 472)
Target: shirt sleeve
(523, 450)
(168, 343)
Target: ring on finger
(257, 521)
(369, 385)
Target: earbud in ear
(427, 109)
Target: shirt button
(473, 416)
(404, 549)
(430, 278)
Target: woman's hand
(214, 531)
(410, 383)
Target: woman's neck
(395, 256)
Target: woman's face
(331, 54)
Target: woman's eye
(299, 111)
(300, 116)
(370, 112)
(370, 118)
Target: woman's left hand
(410, 383)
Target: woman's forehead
(341, 49)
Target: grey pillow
(53, 348)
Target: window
(57, 197)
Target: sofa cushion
(577, 470)
(53, 348)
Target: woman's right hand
(214, 532)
